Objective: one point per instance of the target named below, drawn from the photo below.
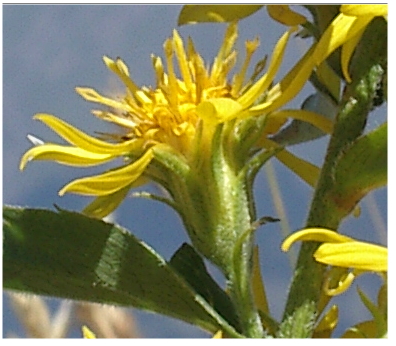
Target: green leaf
(362, 168)
(72, 256)
(191, 266)
(377, 314)
(191, 14)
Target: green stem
(235, 197)
(367, 71)
(240, 283)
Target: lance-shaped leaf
(362, 168)
(72, 256)
(191, 14)
(191, 266)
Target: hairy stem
(367, 71)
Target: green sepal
(245, 135)
(377, 314)
(323, 15)
(69, 255)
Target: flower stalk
(213, 199)
(327, 209)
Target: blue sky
(49, 50)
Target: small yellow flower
(342, 251)
(346, 30)
(177, 118)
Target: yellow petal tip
(87, 333)
(25, 159)
(41, 116)
(22, 165)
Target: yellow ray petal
(182, 59)
(354, 254)
(86, 142)
(239, 78)
(115, 119)
(247, 99)
(111, 181)
(343, 283)
(304, 169)
(314, 234)
(225, 49)
(104, 205)
(172, 85)
(192, 14)
(283, 14)
(316, 119)
(121, 70)
(364, 10)
(289, 86)
(218, 110)
(63, 154)
(218, 334)
(346, 54)
(87, 333)
(92, 95)
(329, 79)
(339, 31)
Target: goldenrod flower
(346, 30)
(342, 251)
(176, 118)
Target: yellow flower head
(178, 116)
